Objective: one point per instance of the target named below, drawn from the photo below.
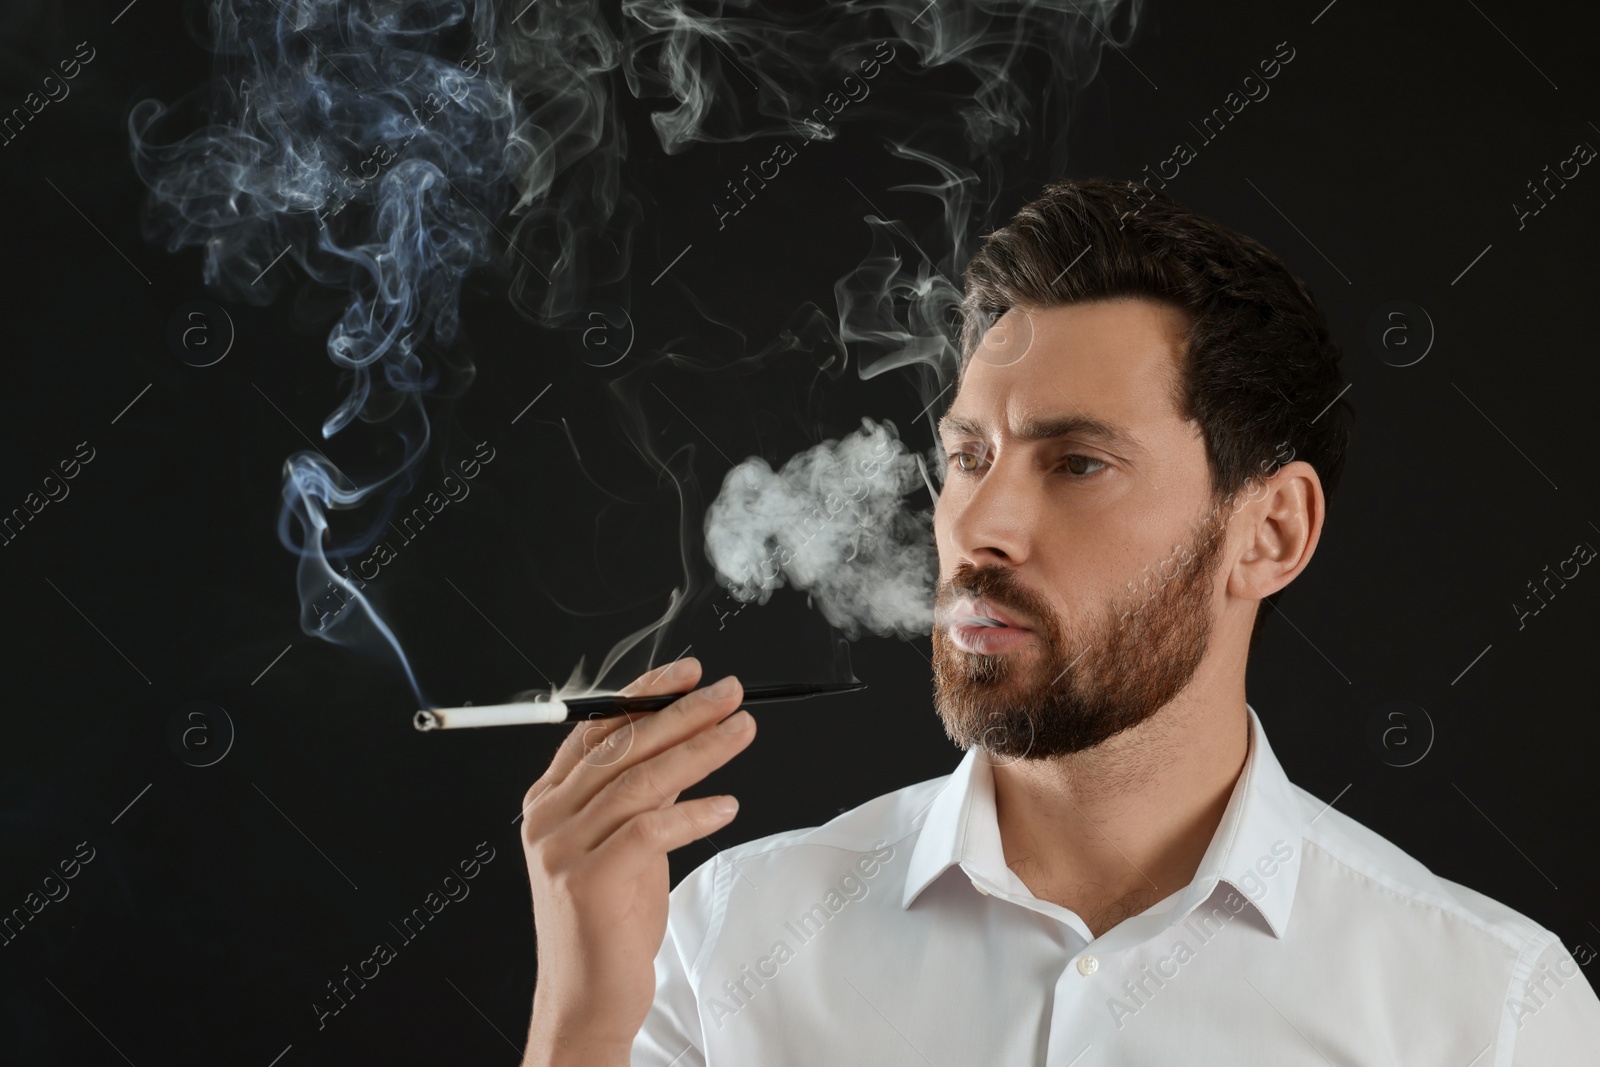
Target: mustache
(999, 586)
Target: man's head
(1147, 428)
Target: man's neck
(1108, 832)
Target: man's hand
(597, 827)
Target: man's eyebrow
(1046, 429)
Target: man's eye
(1072, 462)
(957, 460)
(1078, 466)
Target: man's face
(1101, 548)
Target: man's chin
(993, 701)
(989, 725)
(1024, 673)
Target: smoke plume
(383, 150)
(833, 523)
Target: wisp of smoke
(370, 144)
(373, 144)
(872, 566)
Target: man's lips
(970, 612)
(978, 626)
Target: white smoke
(834, 524)
(376, 148)
(867, 559)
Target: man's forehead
(1124, 325)
(1100, 370)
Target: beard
(1069, 690)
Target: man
(1141, 449)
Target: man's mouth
(970, 612)
(980, 626)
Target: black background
(223, 899)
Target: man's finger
(633, 743)
(586, 734)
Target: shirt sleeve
(1557, 1013)
(671, 1035)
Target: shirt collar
(1256, 849)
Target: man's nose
(998, 518)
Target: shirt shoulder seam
(1511, 941)
(1507, 1032)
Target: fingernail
(681, 667)
(725, 805)
(734, 723)
(723, 688)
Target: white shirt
(896, 934)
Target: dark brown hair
(1260, 373)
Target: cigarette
(519, 714)
(556, 710)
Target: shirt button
(1087, 965)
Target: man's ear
(1278, 529)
